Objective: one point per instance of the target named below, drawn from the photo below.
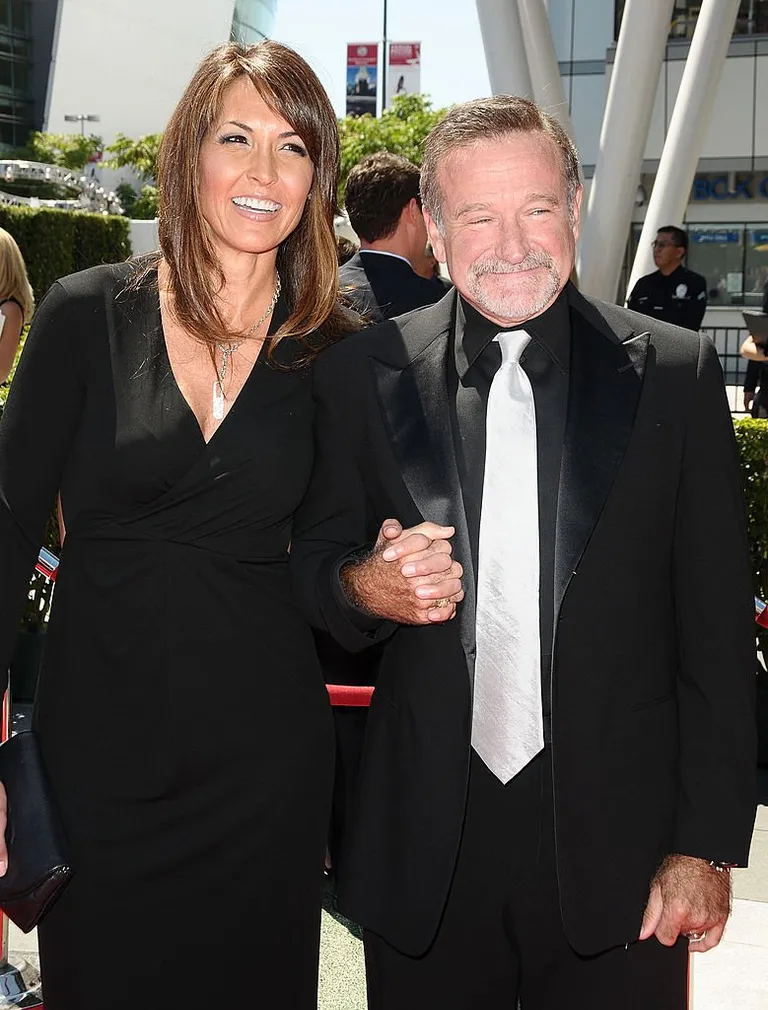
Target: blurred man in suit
(384, 208)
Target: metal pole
(688, 127)
(542, 62)
(504, 47)
(384, 68)
(628, 110)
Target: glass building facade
(752, 18)
(16, 101)
(253, 20)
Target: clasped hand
(410, 577)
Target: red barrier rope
(347, 696)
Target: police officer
(673, 293)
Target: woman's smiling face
(255, 174)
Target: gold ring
(439, 604)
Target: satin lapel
(415, 405)
(606, 378)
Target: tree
(140, 155)
(68, 150)
(400, 129)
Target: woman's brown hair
(307, 259)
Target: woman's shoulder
(107, 279)
(11, 308)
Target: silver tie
(507, 730)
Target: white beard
(529, 293)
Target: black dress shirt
(545, 361)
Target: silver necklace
(227, 350)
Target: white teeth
(253, 204)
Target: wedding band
(696, 936)
(439, 604)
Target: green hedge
(752, 439)
(55, 243)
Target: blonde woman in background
(17, 303)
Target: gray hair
(491, 119)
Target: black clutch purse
(38, 859)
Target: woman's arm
(38, 425)
(751, 351)
(9, 337)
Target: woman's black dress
(181, 708)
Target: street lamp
(82, 118)
(384, 60)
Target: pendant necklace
(227, 350)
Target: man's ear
(576, 211)
(435, 238)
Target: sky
(452, 57)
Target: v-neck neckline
(279, 315)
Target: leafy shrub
(55, 243)
(401, 129)
(752, 440)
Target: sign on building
(362, 74)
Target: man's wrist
(349, 573)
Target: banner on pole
(404, 70)
(362, 74)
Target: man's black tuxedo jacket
(652, 684)
(379, 286)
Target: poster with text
(404, 70)
(362, 72)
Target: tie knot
(512, 344)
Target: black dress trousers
(501, 938)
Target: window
(717, 252)
(6, 75)
(19, 9)
(751, 19)
(755, 264)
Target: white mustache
(493, 265)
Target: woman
(181, 710)
(17, 303)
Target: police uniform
(679, 297)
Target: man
(384, 208)
(673, 293)
(555, 783)
(755, 377)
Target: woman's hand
(410, 577)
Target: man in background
(393, 272)
(384, 208)
(755, 378)
(672, 293)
